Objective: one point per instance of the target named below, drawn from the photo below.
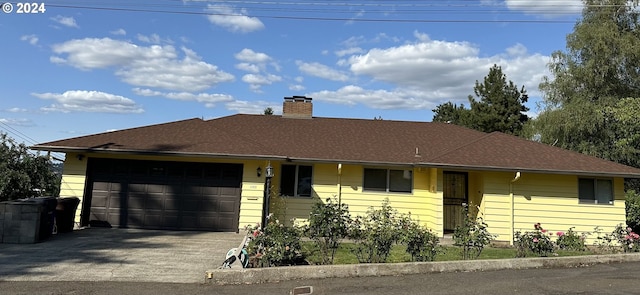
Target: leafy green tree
(268, 111)
(500, 106)
(592, 99)
(23, 174)
(601, 59)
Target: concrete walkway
(100, 254)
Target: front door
(454, 195)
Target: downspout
(339, 183)
(512, 205)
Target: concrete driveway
(101, 254)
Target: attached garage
(163, 195)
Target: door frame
(453, 215)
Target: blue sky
(84, 67)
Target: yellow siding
(551, 200)
(424, 205)
(73, 180)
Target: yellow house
(210, 175)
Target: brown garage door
(164, 195)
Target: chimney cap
(298, 98)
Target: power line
(292, 10)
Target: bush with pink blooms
(571, 240)
(537, 242)
(627, 238)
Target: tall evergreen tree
(500, 106)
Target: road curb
(277, 274)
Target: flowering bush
(375, 233)
(328, 225)
(537, 242)
(571, 241)
(629, 240)
(422, 243)
(472, 235)
(277, 245)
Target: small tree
(422, 243)
(268, 111)
(328, 225)
(23, 174)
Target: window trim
(295, 183)
(388, 178)
(595, 190)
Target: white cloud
(296, 87)
(119, 32)
(426, 72)
(437, 71)
(17, 122)
(32, 39)
(253, 107)
(322, 71)
(153, 66)
(546, 7)
(209, 99)
(233, 20)
(349, 51)
(65, 21)
(256, 81)
(89, 101)
(248, 55)
(16, 110)
(153, 38)
(377, 99)
(247, 67)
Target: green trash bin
(66, 213)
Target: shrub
(422, 243)
(571, 241)
(472, 235)
(605, 242)
(375, 233)
(328, 225)
(627, 238)
(537, 242)
(632, 206)
(277, 245)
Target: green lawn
(345, 255)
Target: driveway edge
(276, 274)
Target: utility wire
(315, 18)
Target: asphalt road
(597, 279)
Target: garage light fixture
(269, 170)
(259, 171)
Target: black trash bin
(66, 213)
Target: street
(597, 279)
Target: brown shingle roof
(343, 140)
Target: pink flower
(535, 240)
(256, 233)
(537, 226)
(560, 234)
(543, 230)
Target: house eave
(530, 170)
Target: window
(387, 180)
(296, 180)
(597, 191)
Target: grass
(345, 255)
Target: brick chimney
(297, 107)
